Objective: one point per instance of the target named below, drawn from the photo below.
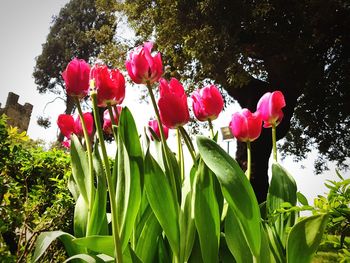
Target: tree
(301, 47)
(80, 30)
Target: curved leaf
(304, 238)
(100, 244)
(236, 189)
(81, 211)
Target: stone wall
(18, 115)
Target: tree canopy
(80, 30)
(248, 47)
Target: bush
(33, 194)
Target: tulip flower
(107, 123)
(110, 85)
(172, 104)
(76, 77)
(207, 103)
(270, 107)
(89, 122)
(66, 124)
(66, 143)
(144, 67)
(153, 124)
(246, 126)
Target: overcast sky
(24, 25)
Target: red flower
(270, 108)
(153, 124)
(107, 123)
(172, 104)
(66, 143)
(246, 126)
(89, 123)
(207, 103)
(110, 85)
(66, 124)
(76, 77)
(142, 66)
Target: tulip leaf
(162, 201)
(206, 214)
(275, 244)
(146, 247)
(235, 239)
(85, 257)
(236, 189)
(80, 167)
(100, 244)
(305, 237)
(130, 159)
(98, 215)
(80, 217)
(45, 239)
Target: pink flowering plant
(145, 208)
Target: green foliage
(33, 194)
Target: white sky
(24, 25)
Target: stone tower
(18, 115)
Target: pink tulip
(76, 77)
(246, 126)
(66, 124)
(110, 85)
(172, 104)
(153, 124)
(89, 123)
(107, 123)
(270, 108)
(207, 103)
(66, 143)
(144, 67)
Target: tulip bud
(207, 103)
(142, 66)
(107, 123)
(172, 104)
(153, 124)
(89, 123)
(110, 85)
(66, 124)
(76, 77)
(270, 108)
(246, 126)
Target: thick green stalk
(188, 144)
(180, 155)
(249, 161)
(211, 129)
(111, 190)
(91, 167)
(111, 115)
(274, 147)
(163, 140)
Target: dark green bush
(34, 196)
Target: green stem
(249, 161)
(188, 144)
(111, 115)
(162, 137)
(274, 147)
(111, 190)
(211, 129)
(180, 155)
(90, 163)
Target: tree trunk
(69, 109)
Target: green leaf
(236, 190)
(45, 239)
(98, 214)
(235, 239)
(80, 168)
(162, 201)
(81, 211)
(304, 238)
(302, 199)
(100, 244)
(275, 244)
(206, 214)
(130, 163)
(146, 247)
(87, 258)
